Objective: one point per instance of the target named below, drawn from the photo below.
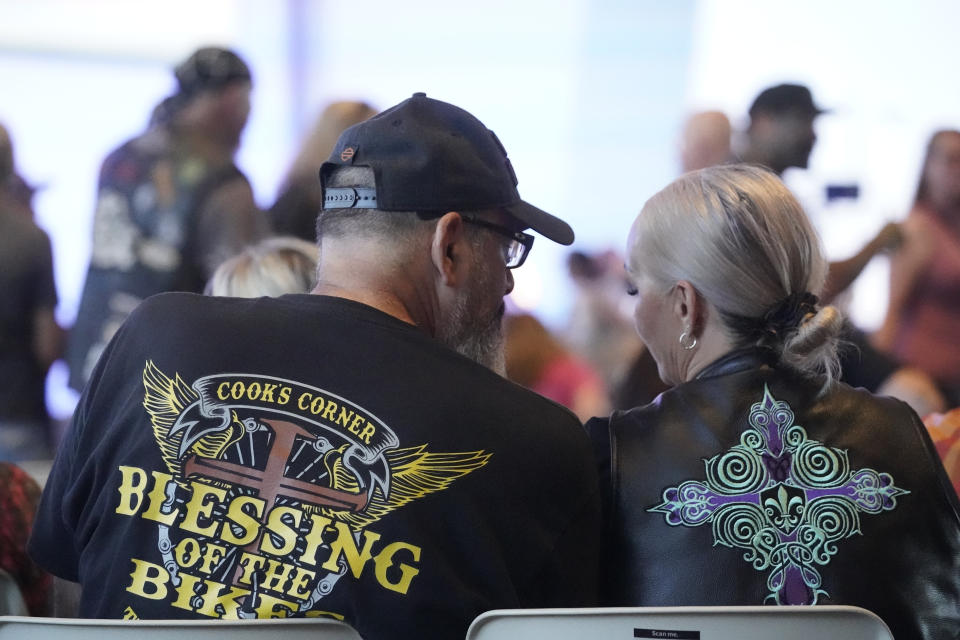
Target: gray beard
(482, 342)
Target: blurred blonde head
(274, 267)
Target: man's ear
(448, 249)
(688, 307)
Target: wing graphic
(414, 473)
(165, 399)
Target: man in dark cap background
(351, 452)
(171, 203)
(780, 134)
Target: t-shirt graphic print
(271, 496)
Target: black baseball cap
(785, 98)
(431, 156)
(210, 68)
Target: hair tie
(782, 317)
(789, 313)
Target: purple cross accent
(790, 497)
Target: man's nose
(509, 282)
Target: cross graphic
(271, 483)
(782, 497)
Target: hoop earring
(690, 346)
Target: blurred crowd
(175, 213)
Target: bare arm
(844, 272)
(906, 267)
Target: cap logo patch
(347, 154)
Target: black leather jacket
(747, 486)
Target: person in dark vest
(759, 478)
(171, 203)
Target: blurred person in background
(272, 267)
(780, 136)
(705, 140)
(924, 309)
(759, 477)
(171, 204)
(537, 360)
(598, 329)
(299, 200)
(30, 338)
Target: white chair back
(681, 623)
(22, 628)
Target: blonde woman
(759, 478)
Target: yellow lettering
(298, 586)
(276, 525)
(246, 522)
(157, 497)
(344, 546)
(223, 596)
(344, 418)
(284, 395)
(146, 573)
(271, 607)
(253, 391)
(268, 392)
(251, 564)
(355, 425)
(236, 391)
(314, 538)
(212, 555)
(187, 552)
(317, 405)
(223, 390)
(200, 506)
(276, 575)
(132, 484)
(330, 413)
(186, 590)
(368, 431)
(385, 561)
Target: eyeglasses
(514, 252)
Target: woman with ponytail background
(759, 478)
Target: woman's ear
(447, 249)
(688, 307)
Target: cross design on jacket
(783, 498)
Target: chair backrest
(11, 600)
(22, 628)
(681, 623)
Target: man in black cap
(348, 452)
(171, 204)
(781, 133)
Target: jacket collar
(737, 361)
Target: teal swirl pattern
(783, 499)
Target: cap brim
(550, 227)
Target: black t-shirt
(26, 286)
(309, 455)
